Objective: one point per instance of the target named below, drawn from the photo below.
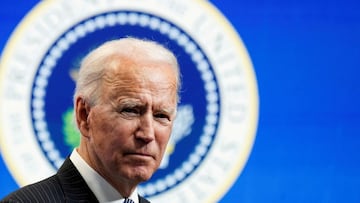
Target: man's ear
(82, 110)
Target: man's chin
(139, 174)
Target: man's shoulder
(46, 190)
(66, 185)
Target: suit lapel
(74, 186)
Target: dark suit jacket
(67, 185)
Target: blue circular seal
(195, 126)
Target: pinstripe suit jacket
(67, 185)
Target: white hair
(97, 62)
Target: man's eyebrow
(129, 101)
(125, 102)
(133, 102)
(168, 110)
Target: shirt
(103, 191)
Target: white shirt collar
(103, 191)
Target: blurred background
(306, 56)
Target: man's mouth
(139, 155)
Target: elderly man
(125, 104)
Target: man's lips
(139, 154)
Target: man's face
(129, 129)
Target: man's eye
(130, 110)
(162, 116)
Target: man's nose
(146, 131)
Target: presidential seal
(217, 118)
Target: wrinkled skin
(124, 135)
